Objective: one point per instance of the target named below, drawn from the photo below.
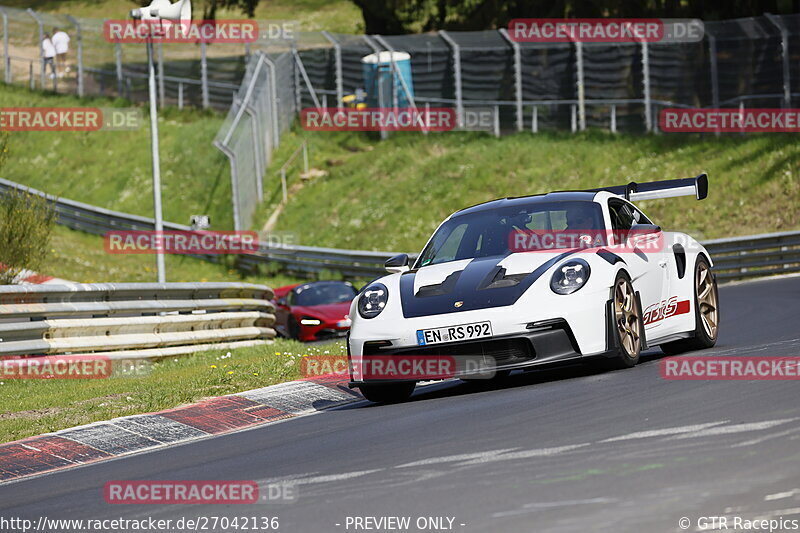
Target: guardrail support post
(204, 73)
(337, 51)
(517, 75)
(456, 75)
(6, 56)
(573, 119)
(497, 121)
(648, 111)
(180, 95)
(79, 39)
(535, 120)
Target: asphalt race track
(559, 450)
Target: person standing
(49, 54)
(61, 42)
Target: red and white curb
(100, 441)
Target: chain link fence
(199, 75)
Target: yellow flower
(255, 373)
(230, 371)
(213, 366)
(277, 353)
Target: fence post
(6, 57)
(31, 79)
(180, 95)
(118, 59)
(283, 185)
(257, 149)
(497, 121)
(337, 51)
(535, 120)
(307, 81)
(237, 225)
(573, 121)
(161, 91)
(581, 88)
(517, 76)
(79, 39)
(298, 98)
(204, 73)
(712, 57)
(305, 157)
(787, 85)
(648, 112)
(456, 75)
(273, 87)
(613, 118)
(39, 23)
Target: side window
(290, 298)
(621, 215)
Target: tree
(210, 7)
(26, 222)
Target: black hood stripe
(470, 287)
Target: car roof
(562, 196)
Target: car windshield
(324, 293)
(489, 233)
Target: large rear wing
(697, 187)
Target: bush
(26, 222)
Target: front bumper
(547, 343)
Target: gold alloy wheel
(707, 300)
(627, 318)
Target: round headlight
(373, 300)
(570, 276)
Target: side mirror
(281, 301)
(398, 263)
(646, 228)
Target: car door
(643, 265)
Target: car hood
(474, 283)
(327, 312)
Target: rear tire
(629, 325)
(388, 392)
(706, 312)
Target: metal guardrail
(755, 255)
(734, 258)
(133, 320)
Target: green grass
(392, 195)
(112, 169)
(31, 407)
(313, 15)
(81, 257)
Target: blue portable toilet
(378, 79)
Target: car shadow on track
(536, 376)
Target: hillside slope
(391, 195)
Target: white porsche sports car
(537, 280)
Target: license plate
(464, 332)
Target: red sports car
(314, 311)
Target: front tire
(706, 312)
(628, 323)
(388, 392)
